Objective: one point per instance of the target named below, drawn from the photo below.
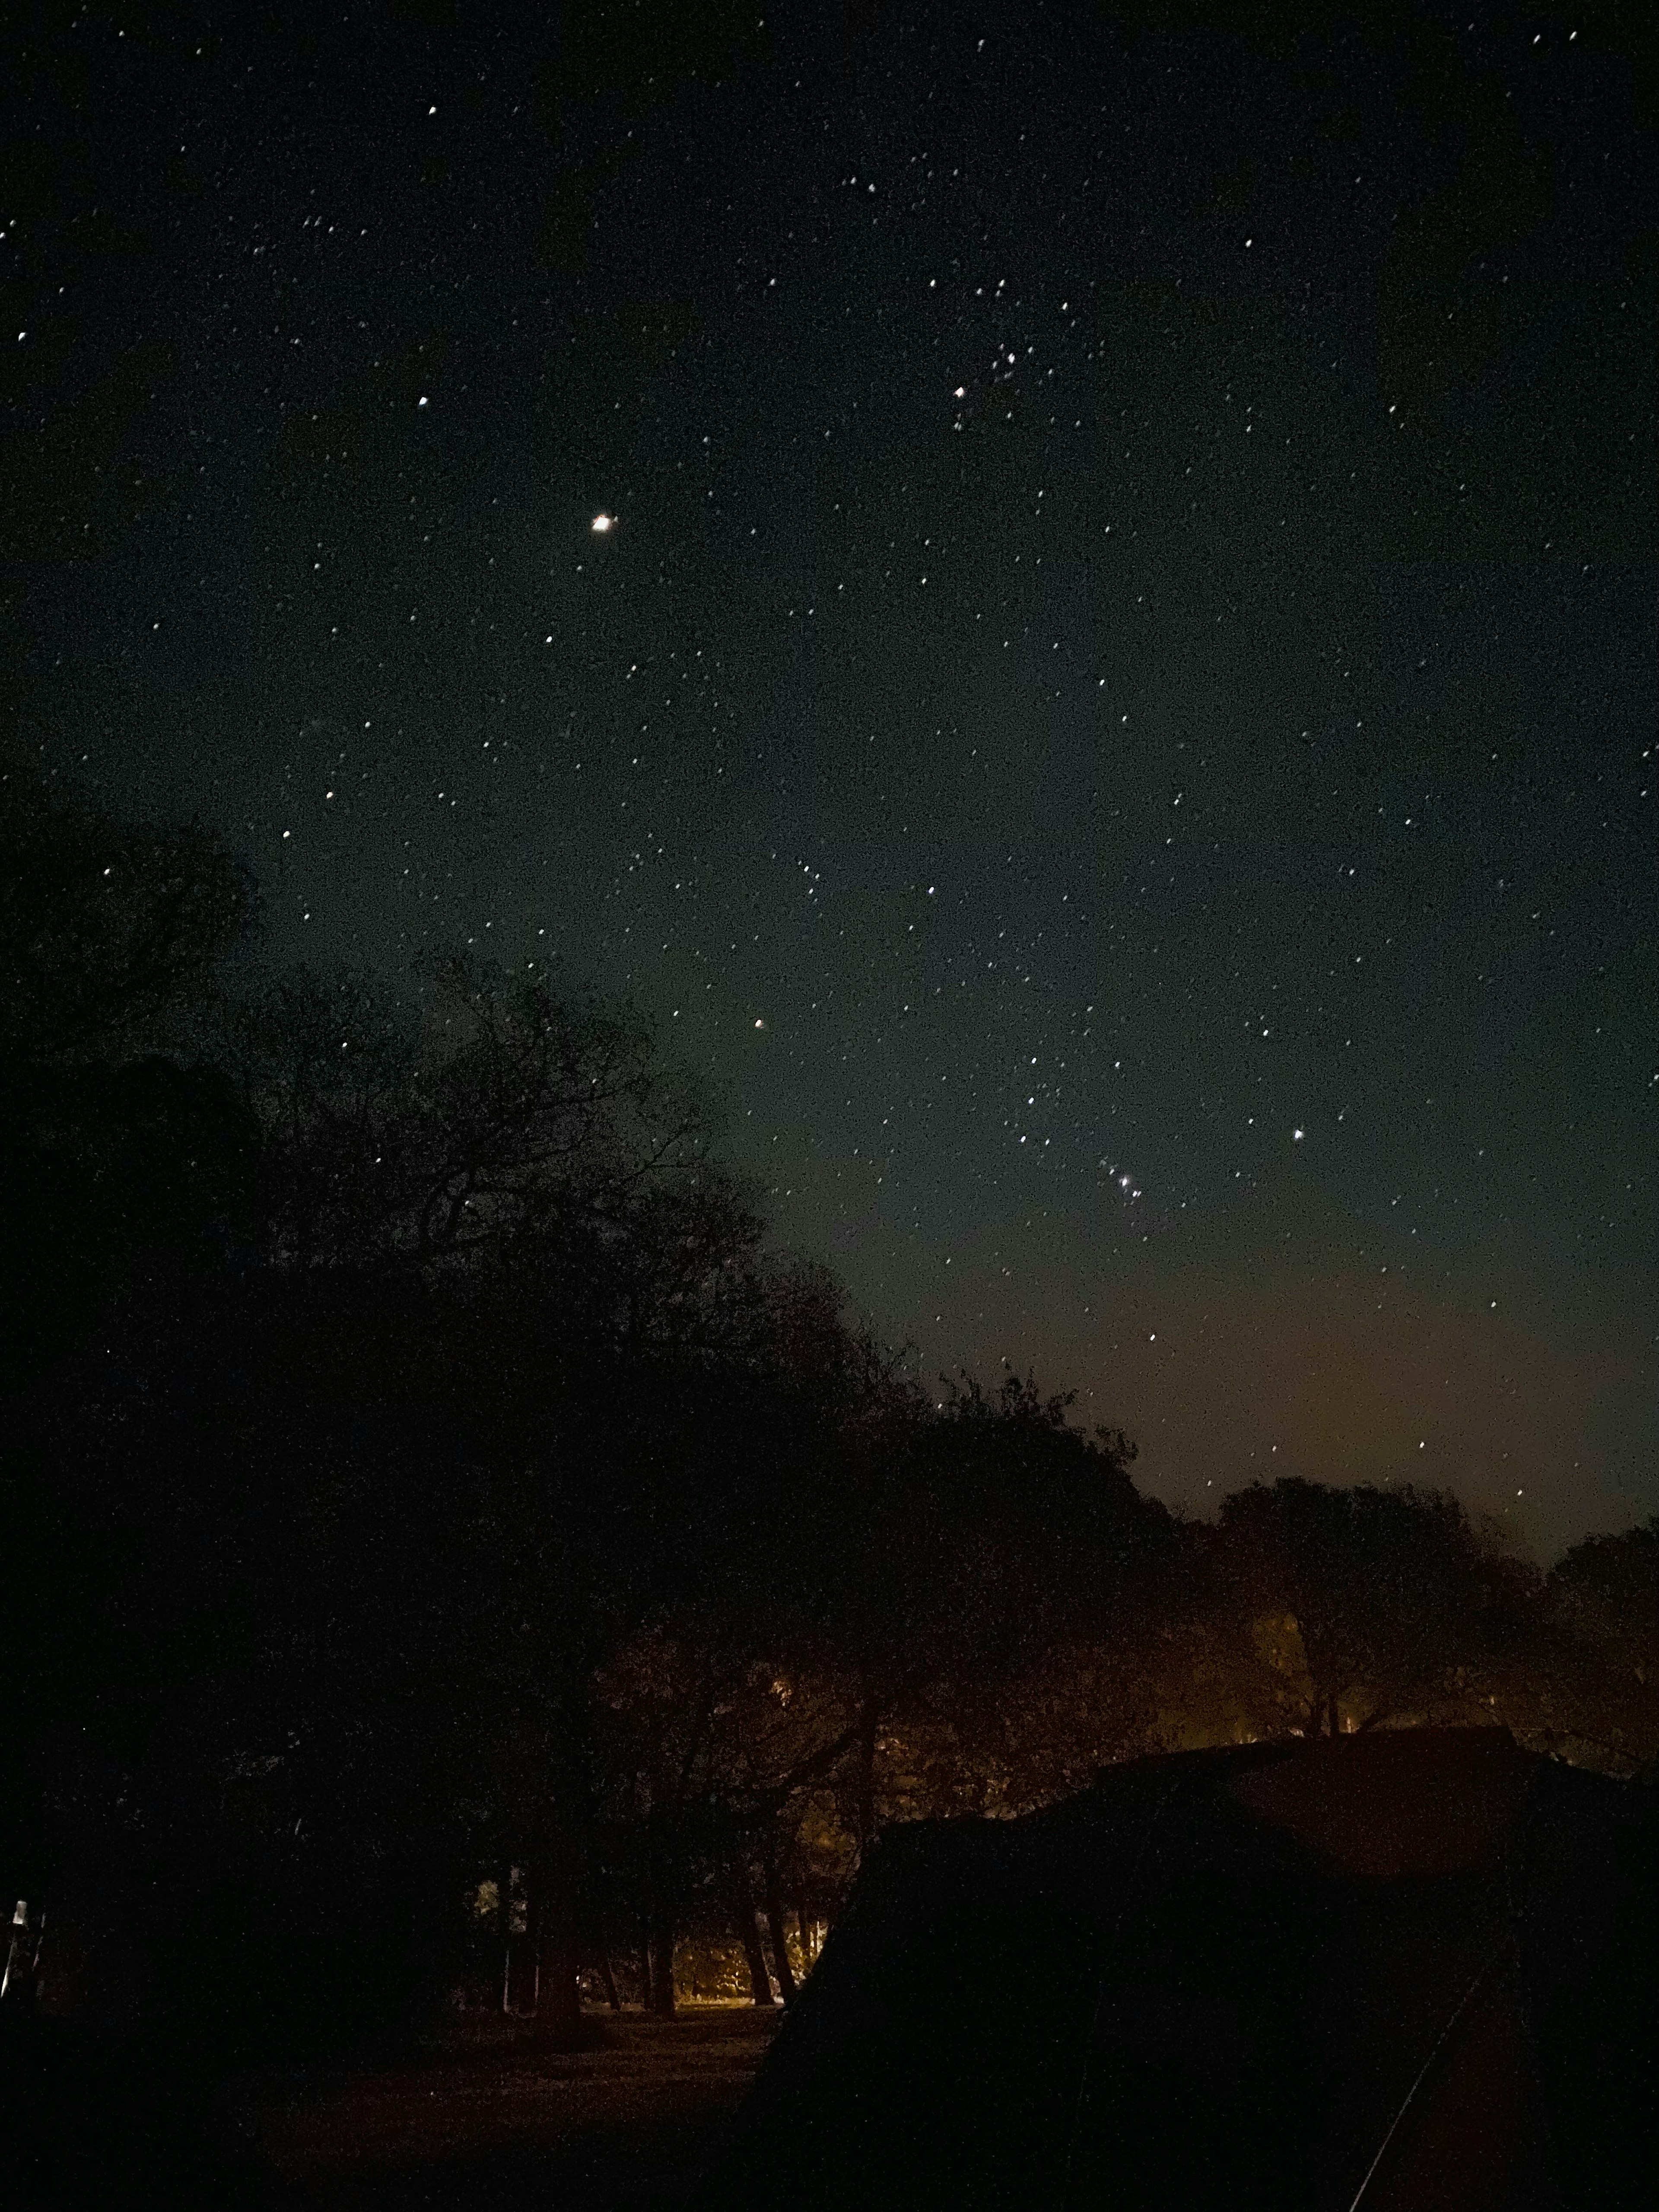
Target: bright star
(604, 522)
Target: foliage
(110, 933)
(1602, 1696)
(419, 1136)
(1361, 1605)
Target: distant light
(1298, 1134)
(604, 522)
(421, 401)
(760, 1025)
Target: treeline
(431, 1512)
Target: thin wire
(1509, 1939)
(1504, 1943)
(1516, 1872)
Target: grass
(626, 2125)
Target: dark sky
(1115, 720)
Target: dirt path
(623, 2128)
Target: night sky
(1114, 723)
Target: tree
(111, 934)
(128, 1160)
(1604, 1605)
(337, 1536)
(123, 1149)
(967, 1543)
(1609, 1587)
(1351, 1607)
(421, 1134)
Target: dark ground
(626, 2126)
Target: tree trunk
(515, 1927)
(743, 1901)
(503, 1925)
(662, 1965)
(777, 1927)
(554, 1875)
(607, 1975)
(804, 1926)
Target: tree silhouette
(1603, 1689)
(417, 1133)
(123, 1148)
(111, 934)
(1360, 1605)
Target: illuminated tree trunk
(760, 1982)
(777, 1927)
(659, 1932)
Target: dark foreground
(628, 2126)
